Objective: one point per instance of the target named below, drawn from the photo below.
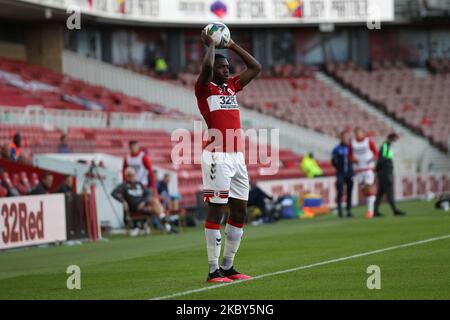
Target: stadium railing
(63, 119)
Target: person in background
(171, 200)
(344, 172)
(385, 174)
(14, 147)
(136, 197)
(44, 186)
(66, 186)
(4, 151)
(257, 197)
(141, 163)
(161, 66)
(310, 167)
(363, 154)
(63, 147)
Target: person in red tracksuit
(141, 163)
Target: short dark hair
(392, 136)
(17, 138)
(131, 142)
(46, 174)
(218, 56)
(343, 132)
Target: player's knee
(238, 211)
(215, 212)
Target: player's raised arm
(253, 66)
(206, 74)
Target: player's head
(166, 178)
(68, 180)
(130, 175)
(134, 146)
(221, 69)
(345, 137)
(392, 137)
(17, 139)
(47, 180)
(359, 133)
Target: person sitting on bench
(137, 199)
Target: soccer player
(225, 177)
(364, 153)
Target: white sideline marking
(183, 293)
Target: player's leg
(380, 194)
(340, 193)
(390, 196)
(214, 240)
(234, 230)
(349, 187)
(216, 184)
(369, 181)
(155, 206)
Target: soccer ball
(219, 32)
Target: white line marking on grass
(184, 293)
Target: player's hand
(207, 40)
(141, 205)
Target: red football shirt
(218, 106)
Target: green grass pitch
(160, 265)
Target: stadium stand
(439, 65)
(159, 146)
(419, 102)
(23, 84)
(295, 95)
(36, 139)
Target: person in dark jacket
(43, 187)
(344, 172)
(66, 186)
(385, 174)
(257, 197)
(135, 197)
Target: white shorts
(224, 175)
(366, 178)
